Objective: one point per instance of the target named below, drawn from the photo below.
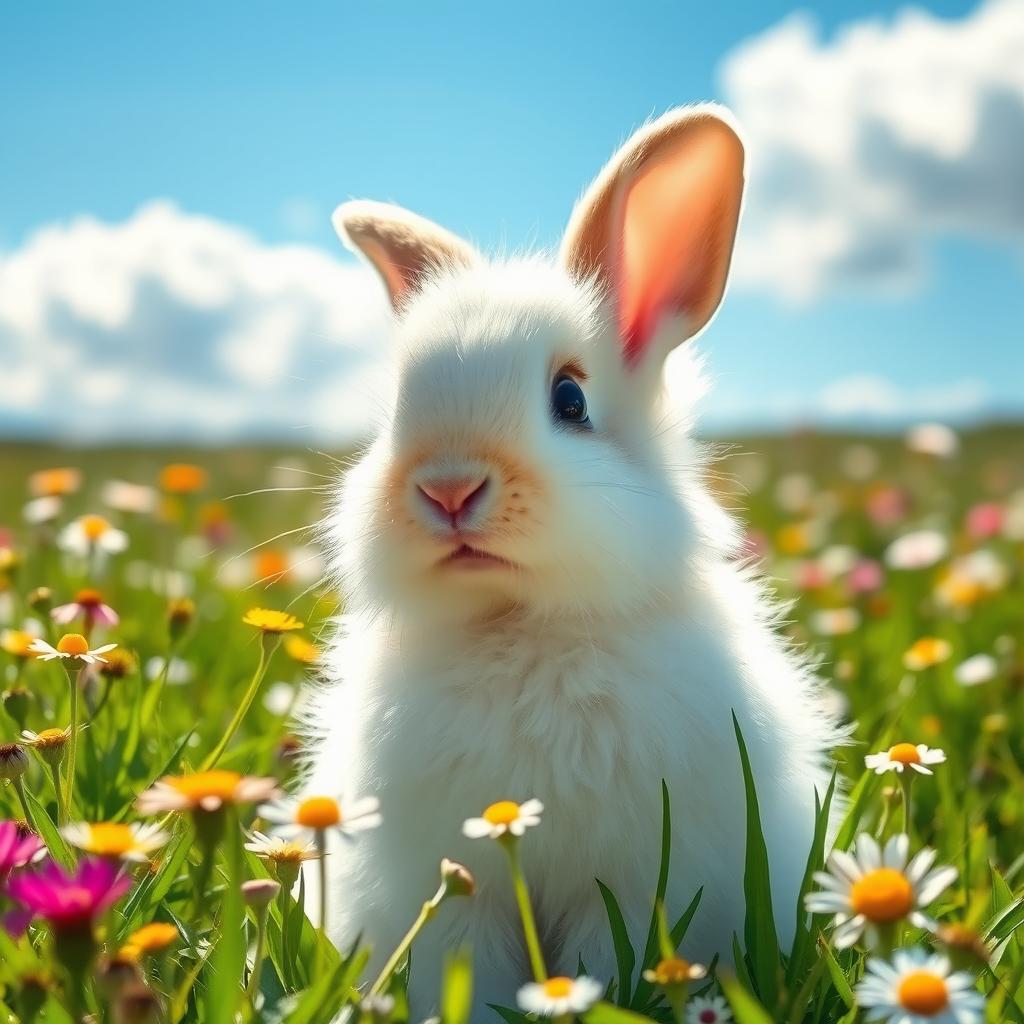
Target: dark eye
(568, 401)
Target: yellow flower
(793, 539)
(18, 643)
(115, 840)
(301, 649)
(675, 971)
(48, 739)
(54, 483)
(204, 791)
(926, 653)
(120, 663)
(151, 938)
(270, 621)
(182, 478)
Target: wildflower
(92, 533)
(88, 604)
(69, 901)
(300, 649)
(674, 971)
(270, 621)
(182, 478)
(10, 560)
(311, 815)
(886, 505)
(708, 1010)
(40, 600)
(152, 938)
(118, 841)
(835, 621)
(794, 539)
(13, 762)
(54, 483)
(970, 578)
(41, 510)
(927, 652)
(48, 744)
(126, 497)
(17, 848)
(985, 520)
(18, 642)
(204, 791)
(456, 879)
(260, 892)
(119, 663)
(903, 756)
(279, 850)
(916, 987)
(981, 668)
(270, 566)
(559, 997)
(72, 646)
(874, 888)
(865, 577)
(918, 550)
(503, 816)
(180, 613)
(932, 439)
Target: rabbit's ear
(405, 248)
(657, 227)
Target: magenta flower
(16, 847)
(88, 605)
(69, 902)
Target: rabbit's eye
(568, 401)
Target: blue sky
(490, 119)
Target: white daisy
(501, 817)
(277, 848)
(41, 510)
(708, 1010)
(874, 888)
(557, 997)
(92, 533)
(920, 549)
(133, 842)
(71, 645)
(902, 756)
(981, 668)
(917, 987)
(306, 817)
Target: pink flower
(985, 520)
(887, 506)
(16, 848)
(90, 606)
(865, 577)
(811, 575)
(70, 902)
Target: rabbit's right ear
(405, 248)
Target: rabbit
(543, 599)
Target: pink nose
(455, 496)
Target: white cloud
(178, 325)
(876, 397)
(865, 148)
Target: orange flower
(54, 483)
(183, 478)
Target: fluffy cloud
(178, 325)
(865, 148)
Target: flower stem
(268, 645)
(58, 789)
(427, 911)
(19, 787)
(511, 845)
(321, 846)
(252, 989)
(906, 779)
(72, 758)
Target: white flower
(41, 510)
(932, 439)
(557, 997)
(981, 668)
(71, 645)
(918, 550)
(902, 756)
(276, 848)
(92, 533)
(917, 987)
(279, 698)
(133, 842)
(835, 621)
(128, 497)
(501, 817)
(878, 887)
(712, 1010)
(295, 818)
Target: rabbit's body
(544, 603)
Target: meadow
(160, 610)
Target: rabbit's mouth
(466, 557)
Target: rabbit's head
(526, 462)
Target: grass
(823, 511)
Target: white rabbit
(544, 599)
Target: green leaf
(625, 958)
(224, 977)
(745, 1006)
(322, 1000)
(842, 986)
(457, 988)
(651, 946)
(609, 1013)
(58, 849)
(759, 932)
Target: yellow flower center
(94, 526)
(74, 644)
(882, 895)
(202, 785)
(50, 738)
(924, 993)
(673, 971)
(504, 812)
(288, 853)
(905, 753)
(89, 598)
(318, 812)
(110, 840)
(557, 988)
(153, 937)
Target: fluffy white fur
(612, 655)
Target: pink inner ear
(670, 257)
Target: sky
(168, 269)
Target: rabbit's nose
(454, 497)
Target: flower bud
(41, 600)
(260, 892)
(13, 762)
(16, 703)
(180, 613)
(456, 879)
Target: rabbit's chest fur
(589, 718)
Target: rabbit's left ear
(657, 226)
